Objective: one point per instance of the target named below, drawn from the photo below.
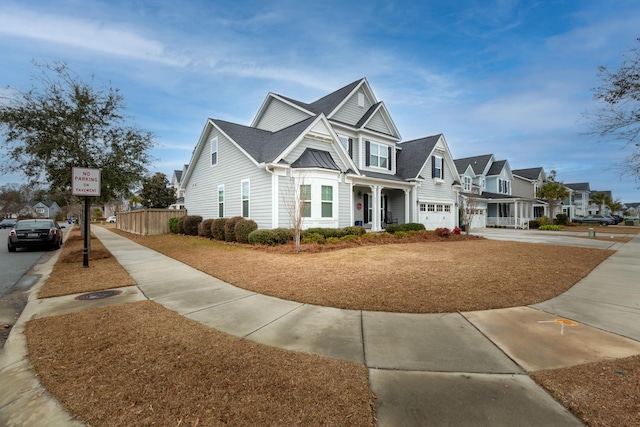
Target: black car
(8, 223)
(594, 219)
(35, 233)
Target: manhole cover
(97, 295)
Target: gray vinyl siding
(201, 197)
(433, 191)
(345, 206)
(285, 197)
(522, 188)
(318, 145)
(350, 112)
(279, 115)
(378, 124)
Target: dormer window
(437, 169)
(360, 99)
(466, 181)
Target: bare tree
(470, 203)
(296, 204)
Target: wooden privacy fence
(147, 222)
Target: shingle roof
(262, 145)
(496, 167)
(327, 103)
(312, 158)
(413, 155)
(530, 173)
(580, 186)
(477, 163)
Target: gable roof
(477, 163)
(413, 155)
(531, 173)
(496, 167)
(579, 186)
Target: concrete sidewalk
(426, 369)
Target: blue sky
(511, 78)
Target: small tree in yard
(297, 206)
(470, 203)
(552, 191)
(156, 192)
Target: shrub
(442, 232)
(173, 224)
(400, 234)
(551, 227)
(191, 223)
(534, 223)
(325, 232)
(261, 237)
(355, 230)
(282, 235)
(562, 219)
(181, 224)
(230, 228)
(217, 228)
(313, 238)
(351, 238)
(544, 221)
(457, 230)
(410, 226)
(204, 229)
(334, 240)
(243, 228)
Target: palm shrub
(230, 228)
(217, 228)
(243, 228)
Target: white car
(111, 219)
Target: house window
(423, 207)
(245, 198)
(431, 208)
(344, 141)
(466, 181)
(360, 99)
(327, 201)
(439, 208)
(214, 151)
(447, 208)
(503, 186)
(305, 199)
(437, 167)
(378, 155)
(221, 201)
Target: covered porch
(377, 203)
(509, 211)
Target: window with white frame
(503, 186)
(327, 201)
(466, 181)
(344, 140)
(221, 201)
(245, 198)
(431, 208)
(214, 151)
(423, 207)
(439, 208)
(378, 155)
(305, 200)
(447, 208)
(437, 167)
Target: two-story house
(493, 179)
(526, 183)
(577, 204)
(339, 157)
(176, 183)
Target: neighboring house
(632, 210)
(577, 204)
(340, 156)
(176, 183)
(494, 180)
(526, 183)
(46, 209)
(594, 208)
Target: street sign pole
(86, 182)
(87, 232)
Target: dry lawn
(427, 277)
(140, 364)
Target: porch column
(375, 208)
(407, 206)
(516, 217)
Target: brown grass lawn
(141, 364)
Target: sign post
(85, 182)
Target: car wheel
(604, 223)
(11, 248)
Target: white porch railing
(507, 221)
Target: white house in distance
(341, 154)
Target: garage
(436, 215)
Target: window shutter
(389, 161)
(351, 147)
(442, 168)
(433, 167)
(365, 202)
(367, 153)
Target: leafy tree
(618, 116)
(64, 122)
(614, 205)
(600, 199)
(156, 192)
(14, 198)
(552, 191)
(134, 200)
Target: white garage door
(436, 215)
